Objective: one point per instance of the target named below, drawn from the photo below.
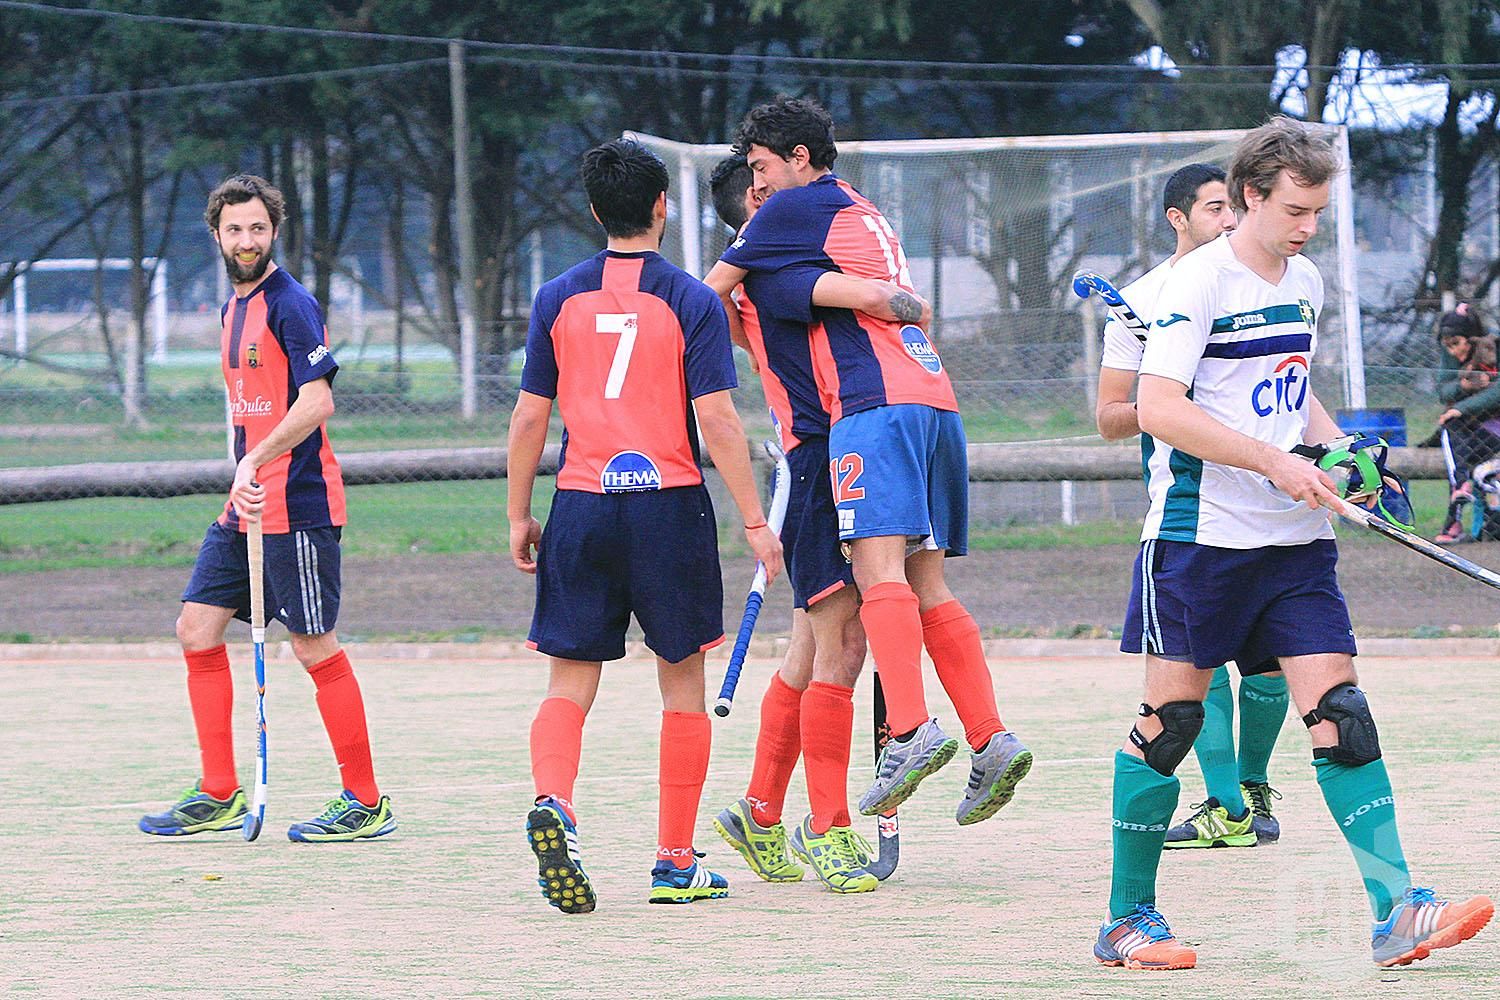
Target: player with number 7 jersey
(628, 346)
(897, 451)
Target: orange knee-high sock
(685, 739)
(211, 695)
(952, 639)
(343, 711)
(827, 728)
(893, 626)
(776, 750)
(556, 747)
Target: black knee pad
(1346, 707)
(1181, 721)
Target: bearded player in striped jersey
(1238, 558)
(1237, 809)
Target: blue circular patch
(920, 348)
(629, 472)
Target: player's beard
(239, 274)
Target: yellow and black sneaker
(345, 818)
(197, 812)
(559, 868)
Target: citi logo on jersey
(1285, 391)
(629, 472)
(260, 406)
(920, 348)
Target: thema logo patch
(920, 349)
(629, 472)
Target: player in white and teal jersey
(1236, 811)
(1238, 559)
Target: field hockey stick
(255, 545)
(781, 488)
(1085, 282)
(890, 824)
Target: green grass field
(447, 906)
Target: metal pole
(690, 223)
(18, 303)
(1354, 345)
(468, 268)
(159, 312)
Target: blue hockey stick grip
(737, 656)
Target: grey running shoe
(902, 767)
(993, 776)
(1258, 797)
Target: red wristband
(754, 527)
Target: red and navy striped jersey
(274, 341)
(623, 341)
(783, 351)
(859, 361)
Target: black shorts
(302, 578)
(606, 556)
(815, 561)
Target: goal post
(993, 229)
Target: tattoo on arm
(906, 307)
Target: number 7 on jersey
(625, 325)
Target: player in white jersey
(1238, 560)
(1236, 810)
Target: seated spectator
(1470, 427)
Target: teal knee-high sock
(1143, 804)
(1263, 701)
(1215, 745)
(1362, 805)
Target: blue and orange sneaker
(1420, 924)
(670, 884)
(1142, 940)
(559, 867)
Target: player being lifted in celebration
(827, 649)
(898, 457)
(1238, 558)
(629, 346)
(279, 375)
(1237, 810)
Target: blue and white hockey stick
(1085, 282)
(254, 543)
(781, 488)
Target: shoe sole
(236, 823)
(301, 837)
(1237, 840)
(1453, 934)
(664, 895)
(1125, 963)
(743, 849)
(564, 884)
(904, 790)
(1002, 791)
(847, 890)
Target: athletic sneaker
(1212, 826)
(762, 847)
(1258, 796)
(1453, 532)
(1421, 923)
(197, 812)
(559, 868)
(1142, 940)
(840, 857)
(345, 818)
(670, 884)
(903, 765)
(994, 774)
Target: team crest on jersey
(252, 355)
(920, 348)
(1305, 307)
(629, 472)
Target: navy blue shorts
(902, 469)
(604, 556)
(1206, 605)
(301, 576)
(815, 561)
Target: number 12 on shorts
(845, 471)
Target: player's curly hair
(239, 189)
(730, 178)
(786, 123)
(623, 180)
(1281, 144)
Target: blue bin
(1387, 423)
